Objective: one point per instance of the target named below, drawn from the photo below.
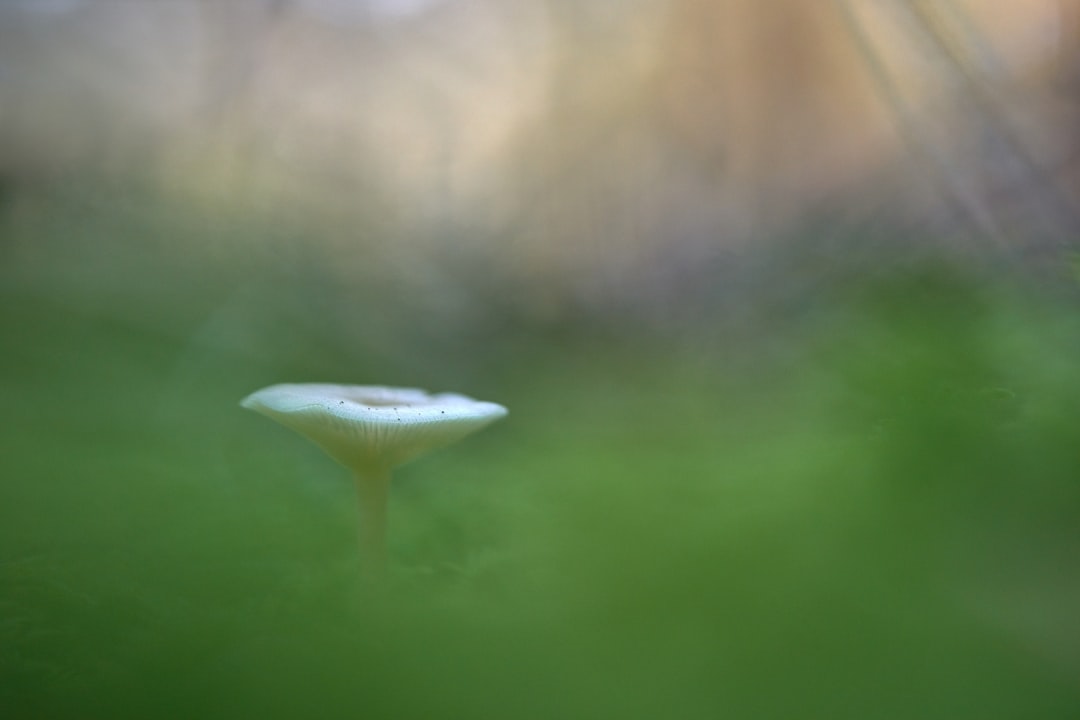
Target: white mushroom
(371, 430)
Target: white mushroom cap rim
(371, 426)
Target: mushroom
(371, 430)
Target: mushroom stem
(372, 492)
(371, 429)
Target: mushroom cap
(371, 426)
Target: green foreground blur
(874, 512)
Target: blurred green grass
(873, 512)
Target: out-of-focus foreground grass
(873, 512)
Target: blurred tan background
(617, 157)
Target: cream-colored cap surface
(372, 426)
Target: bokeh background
(782, 298)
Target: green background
(864, 503)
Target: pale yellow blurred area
(588, 149)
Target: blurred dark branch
(938, 161)
(1035, 183)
